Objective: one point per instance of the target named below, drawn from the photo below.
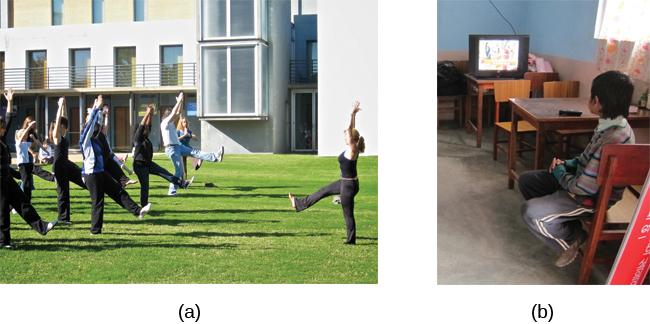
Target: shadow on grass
(174, 222)
(183, 194)
(219, 234)
(113, 244)
(222, 211)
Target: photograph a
(543, 142)
(188, 142)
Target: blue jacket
(90, 147)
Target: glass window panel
(214, 85)
(124, 66)
(214, 18)
(37, 63)
(265, 80)
(57, 12)
(138, 10)
(242, 13)
(79, 74)
(171, 70)
(243, 79)
(98, 11)
(303, 122)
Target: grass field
(243, 230)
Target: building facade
(134, 52)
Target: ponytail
(361, 144)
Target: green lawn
(243, 230)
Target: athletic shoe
(220, 154)
(93, 234)
(65, 222)
(569, 255)
(197, 164)
(186, 183)
(14, 212)
(336, 199)
(130, 182)
(9, 247)
(171, 193)
(50, 226)
(144, 211)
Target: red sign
(633, 259)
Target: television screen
(498, 55)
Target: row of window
(97, 11)
(123, 74)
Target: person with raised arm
(143, 163)
(98, 181)
(185, 135)
(10, 194)
(64, 170)
(348, 186)
(112, 164)
(24, 158)
(173, 147)
(44, 155)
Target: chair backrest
(561, 89)
(624, 164)
(506, 89)
(537, 80)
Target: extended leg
(161, 172)
(119, 195)
(43, 174)
(63, 193)
(333, 188)
(27, 179)
(18, 200)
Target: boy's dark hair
(614, 91)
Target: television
(498, 56)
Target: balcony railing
(101, 76)
(303, 71)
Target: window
(80, 68)
(124, 66)
(171, 68)
(228, 18)
(98, 11)
(36, 67)
(230, 77)
(2, 70)
(312, 61)
(138, 10)
(57, 12)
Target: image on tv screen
(498, 55)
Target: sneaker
(220, 154)
(336, 200)
(65, 222)
(569, 255)
(186, 183)
(50, 226)
(95, 233)
(144, 211)
(130, 182)
(171, 193)
(197, 164)
(9, 246)
(14, 212)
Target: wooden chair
(503, 91)
(565, 89)
(537, 80)
(620, 165)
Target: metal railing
(303, 71)
(100, 76)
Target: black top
(106, 148)
(61, 151)
(348, 167)
(5, 154)
(143, 149)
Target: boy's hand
(180, 97)
(356, 108)
(61, 102)
(554, 163)
(9, 94)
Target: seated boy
(558, 198)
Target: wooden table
(543, 114)
(478, 87)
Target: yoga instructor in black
(347, 186)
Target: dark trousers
(347, 189)
(27, 178)
(185, 167)
(64, 173)
(115, 172)
(43, 174)
(102, 183)
(537, 183)
(12, 197)
(143, 170)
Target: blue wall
(556, 27)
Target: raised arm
(23, 133)
(9, 95)
(36, 141)
(355, 110)
(87, 131)
(57, 122)
(146, 120)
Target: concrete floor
(481, 236)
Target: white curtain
(623, 30)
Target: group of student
(103, 173)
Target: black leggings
(26, 170)
(43, 174)
(102, 183)
(12, 197)
(64, 173)
(347, 189)
(143, 170)
(115, 171)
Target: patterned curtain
(623, 30)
